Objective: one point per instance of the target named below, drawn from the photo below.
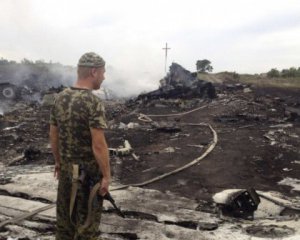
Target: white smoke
(35, 78)
(4, 108)
(40, 76)
(130, 83)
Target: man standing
(77, 123)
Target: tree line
(285, 73)
(202, 66)
(26, 61)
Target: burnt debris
(258, 131)
(242, 204)
(9, 91)
(180, 83)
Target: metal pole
(166, 56)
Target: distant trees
(204, 66)
(26, 61)
(285, 73)
(288, 73)
(273, 73)
(3, 61)
(6, 62)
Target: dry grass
(257, 80)
(271, 82)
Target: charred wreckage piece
(242, 204)
(181, 83)
(9, 91)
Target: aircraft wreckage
(214, 163)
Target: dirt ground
(243, 157)
(258, 141)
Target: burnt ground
(255, 146)
(242, 158)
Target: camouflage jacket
(76, 111)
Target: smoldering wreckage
(191, 160)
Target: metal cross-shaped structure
(166, 49)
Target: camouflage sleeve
(97, 117)
(53, 120)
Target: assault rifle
(109, 198)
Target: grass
(270, 82)
(257, 80)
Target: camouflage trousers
(67, 229)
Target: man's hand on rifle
(104, 186)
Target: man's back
(75, 112)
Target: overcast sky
(246, 36)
